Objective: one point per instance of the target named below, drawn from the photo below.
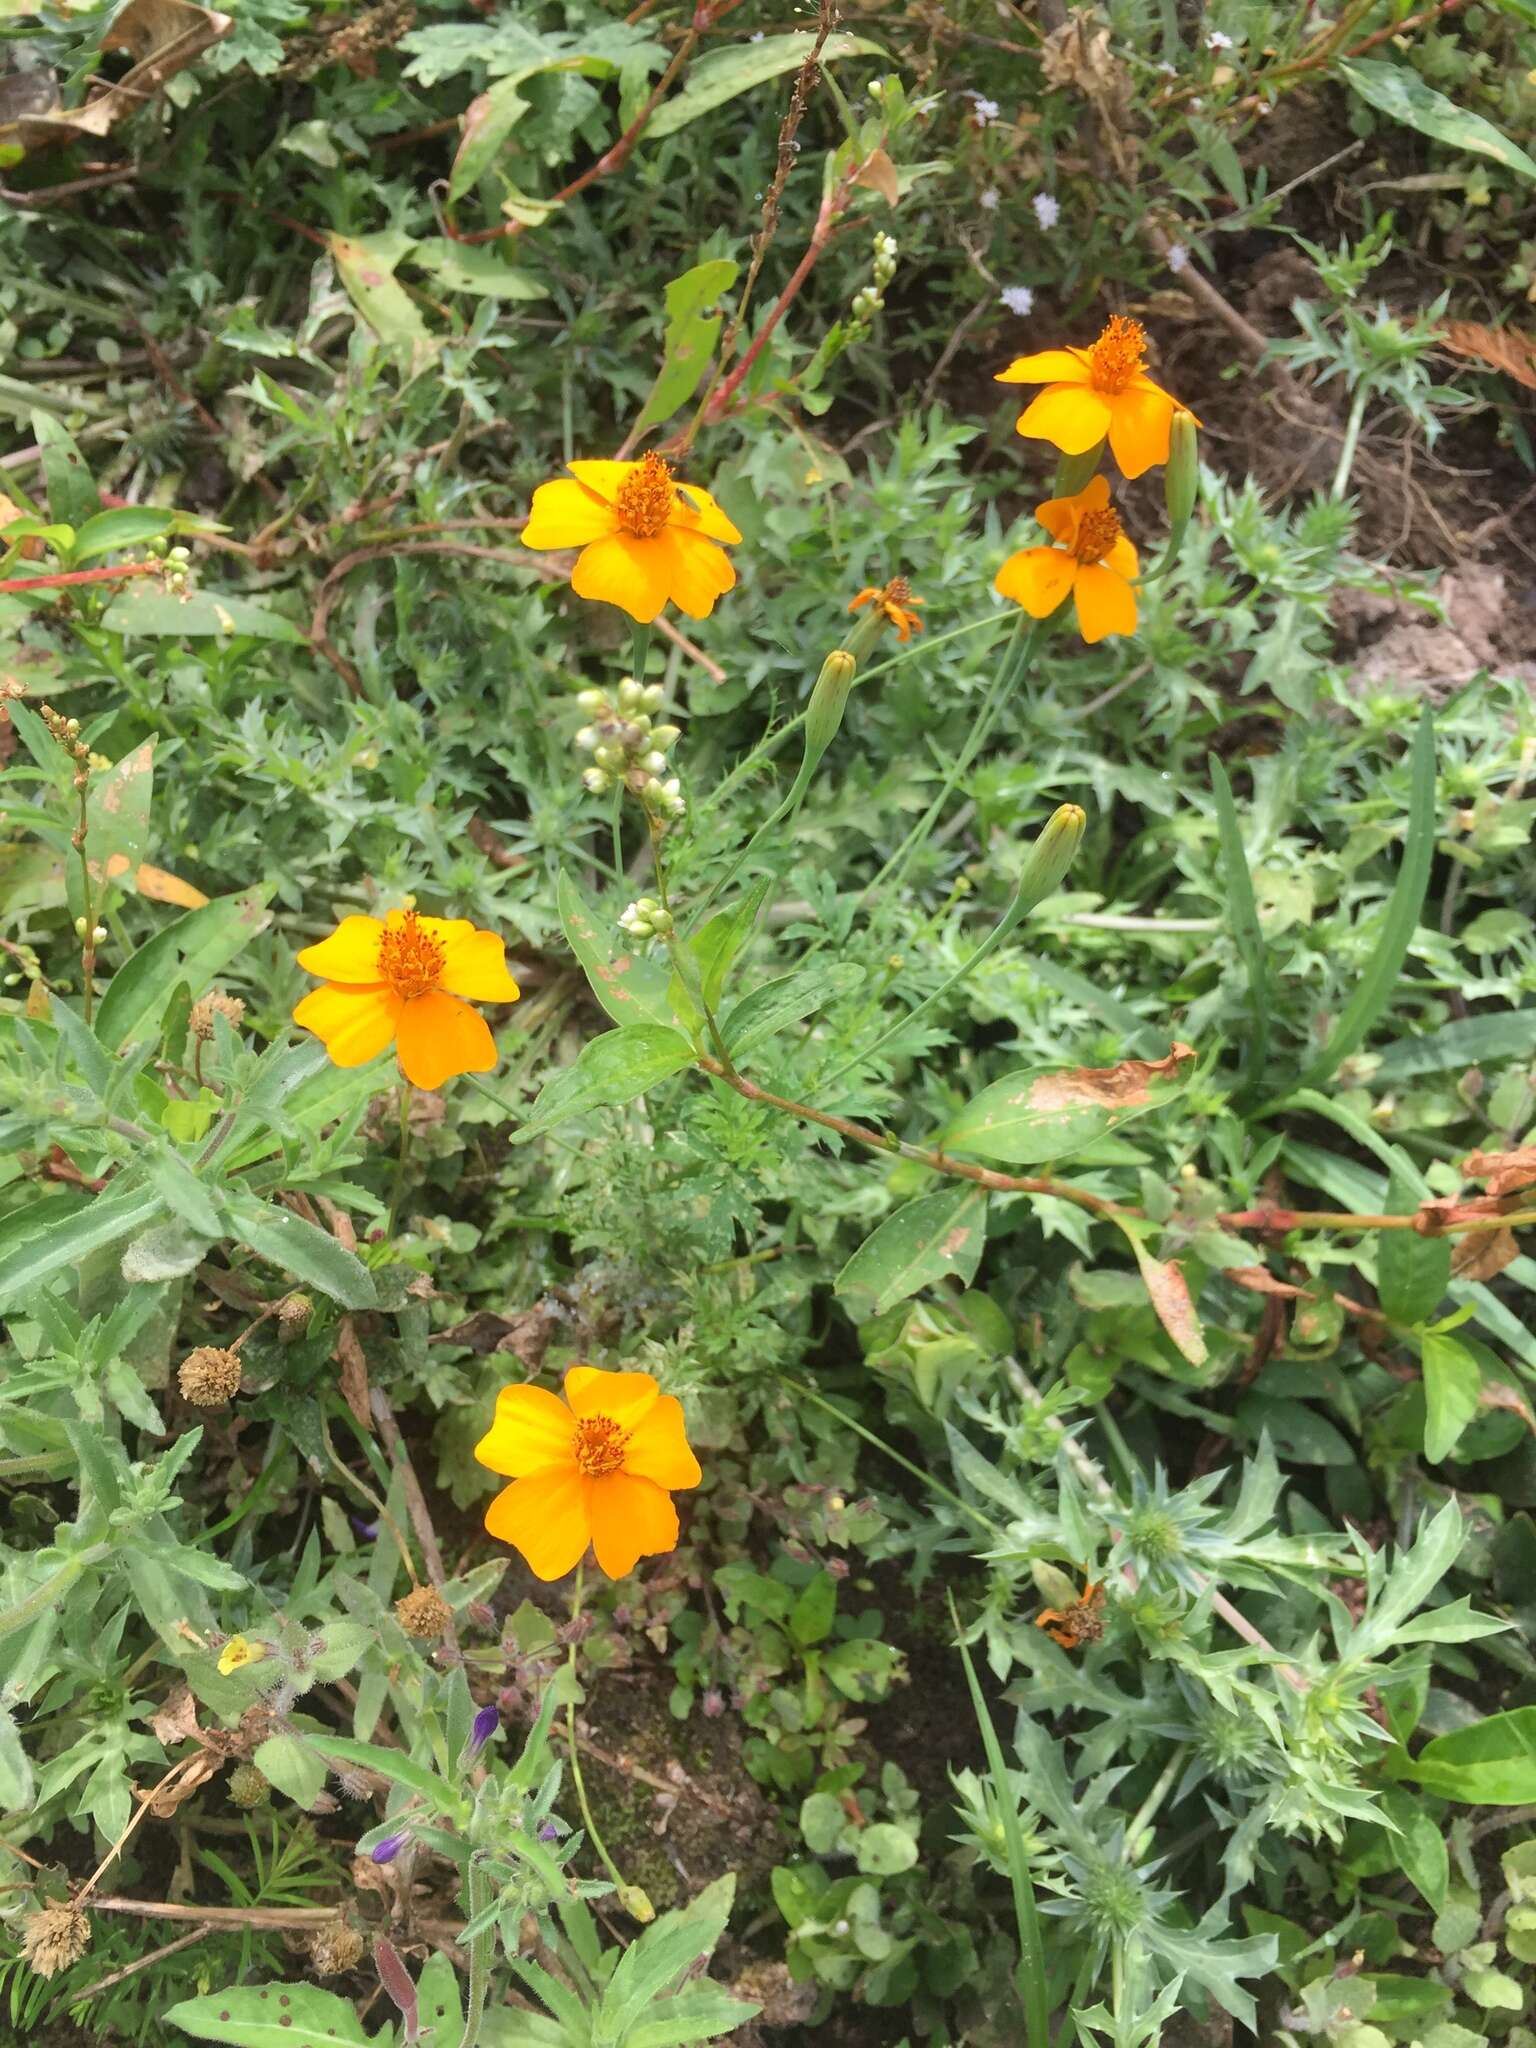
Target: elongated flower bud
(1052, 854)
(387, 1850)
(1074, 471)
(828, 702)
(1181, 479)
(487, 1724)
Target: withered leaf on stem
(162, 36)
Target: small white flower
(984, 109)
(757, 37)
(1018, 298)
(988, 200)
(1047, 211)
(1168, 70)
(1217, 41)
(1178, 258)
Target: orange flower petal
(531, 1431)
(1106, 603)
(437, 1037)
(353, 1024)
(474, 963)
(351, 953)
(1070, 416)
(631, 1519)
(606, 478)
(545, 1517)
(625, 1397)
(1038, 579)
(1061, 517)
(699, 572)
(1138, 430)
(563, 515)
(633, 574)
(711, 519)
(658, 1447)
(1124, 560)
(1050, 366)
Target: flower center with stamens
(1096, 535)
(898, 591)
(598, 1446)
(645, 498)
(1118, 355)
(410, 960)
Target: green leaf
(272, 2016)
(117, 818)
(1397, 91)
(699, 2012)
(810, 1619)
(64, 1240)
(1412, 1272)
(438, 2002)
(784, 1001)
(612, 1069)
(310, 1254)
(922, 1242)
(393, 1764)
(1243, 911)
(72, 495)
(1492, 1763)
(293, 1767)
(670, 1945)
(1452, 1383)
(144, 609)
(366, 266)
(1419, 1846)
(196, 947)
(1378, 982)
(724, 74)
(1040, 1114)
(693, 328)
(713, 949)
(631, 988)
(125, 526)
(485, 271)
(1465, 1042)
(884, 1849)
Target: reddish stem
(66, 576)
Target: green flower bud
(1074, 471)
(1052, 854)
(1181, 479)
(829, 700)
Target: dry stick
(415, 1499)
(146, 1801)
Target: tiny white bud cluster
(626, 746)
(645, 919)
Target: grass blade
(1246, 935)
(1031, 1952)
(1376, 985)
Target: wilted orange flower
(1081, 1621)
(408, 981)
(897, 604)
(597, 1467)
(643, 537)
(1097, 393)
(1094, 561)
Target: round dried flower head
(248, 1788)
(54, 1938)
(209, 1376)
(423, 1612)
(215, 1004)
(293, 1314)
(335, 1948)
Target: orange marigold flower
(598, 1467)
(1094, 561)
(643, 537)
(896, 603)
(1098, 393)
(407, 981)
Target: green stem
(1351, 437)
(687, 967)
(479, 1957)
(407, 1096)
(1141, 1824)
(575, 1748)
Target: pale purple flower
(1217, 41)
(985, 110)
(988, 199)
(1178, 258)
(1018, 298)
(1047, 210)
(387, 1850)
(549, 1832)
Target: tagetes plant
(896, 603)
(1097, 394)
(598, 1468)
(407, 981)
(644, 537)
(1092, 561)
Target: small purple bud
(387, 1850)
(487, 1724)
(367, 1530)
(713, 1703)
(549, 1832)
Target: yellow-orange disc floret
(644, 537)
(1097, 394)
(598, 1468)
(895, 603)
(408, 981)
(1093, 562)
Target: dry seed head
(209, 1376)
(247, 1788)
(293, 1314)
(215, 1004)
(54, 1938)
(335, 1948)
(423, 1613)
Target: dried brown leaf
(354, 1372)
(1483, 1253)
(1121, 1087)
(1259, 1280)
(162, 36)
(1504, 1172)
(879, 174)
(1502, 348)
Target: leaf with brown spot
(117, 814)
(161, 887)
(1483, 1253)
(1169, 1293)
(354, 1373)
(1502, 348)
(1029, 1118)
(1498, 1394)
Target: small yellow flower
(237, 1653)
(407, 981)
(643, 537)
(1098, 393)
(1094, 562)
(896, 603)
(598, 1467)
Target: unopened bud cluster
(174, 565)
(646, 919)
(66, 731)
(628, 748)
(870, 299)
